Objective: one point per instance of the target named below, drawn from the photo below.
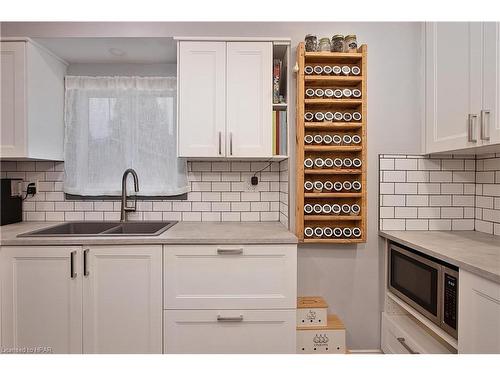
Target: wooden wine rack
(331, 151)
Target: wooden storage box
(311, 312)
(322, 340)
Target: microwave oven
(427, 284)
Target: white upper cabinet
(249, 99)
(41, 305)
(225, 99)
(490, 118)
(461, 85)
(202, 99)
(452, 85)
(32, 105)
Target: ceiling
(113, 50)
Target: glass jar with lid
(311, 42)
(324, 45)
(337, 43)
(350, 43)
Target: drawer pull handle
(229, 318)
(229, 251)
(405, 345)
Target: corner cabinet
(32, 105)
(462, 83)
(225, 99)
(478, 315)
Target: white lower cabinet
(122, 299)
(402, 335)
(41, 299)
(229, 331)
(478, 315)
(230, 276)
(99, 299)
(230, 298)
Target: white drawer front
(401, 335)
(229, 331)
(230, 277)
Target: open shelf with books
(331, 107)
(281, 58)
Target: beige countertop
(180, 233)
(472, 251)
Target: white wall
(348, 276)
(110, 69)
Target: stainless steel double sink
(102, 228)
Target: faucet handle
(134, 207)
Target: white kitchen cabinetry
(122, 299)
(490, 117)
(462, 81)
(402, 335)
(225, 99)
(41, 298)
(201, 86)
(32, 105)
(230, 331)
(478, 315)
(111, 302)
(230, 298)
(249, 98)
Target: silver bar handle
(230, 143)
(471, 133)
(72, 264)
(485, 126)
(230, 318)
(85, 262)
(220, 143)
(238, 251)
(405, 345)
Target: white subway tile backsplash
(394, 176)
(454, 192)
(220, 190)
(406, 164)
(405, 188)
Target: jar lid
(324, 40)
(351, 36)
(310, 36)
(338, 36)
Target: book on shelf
(276, 80)
(280, 133)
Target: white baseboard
(365, 351)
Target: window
(115, 123)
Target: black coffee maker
(11, 202)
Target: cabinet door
(490, 120)
(453, 85)
(249, 99)
(13, 99)
(202, 100)
(478, 315)
(122, 299)
(41, 299)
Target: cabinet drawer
(401, 335)
(230, 277)
(229, 331)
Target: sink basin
(100, 228)
(139, 228)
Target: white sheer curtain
(115, 123)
